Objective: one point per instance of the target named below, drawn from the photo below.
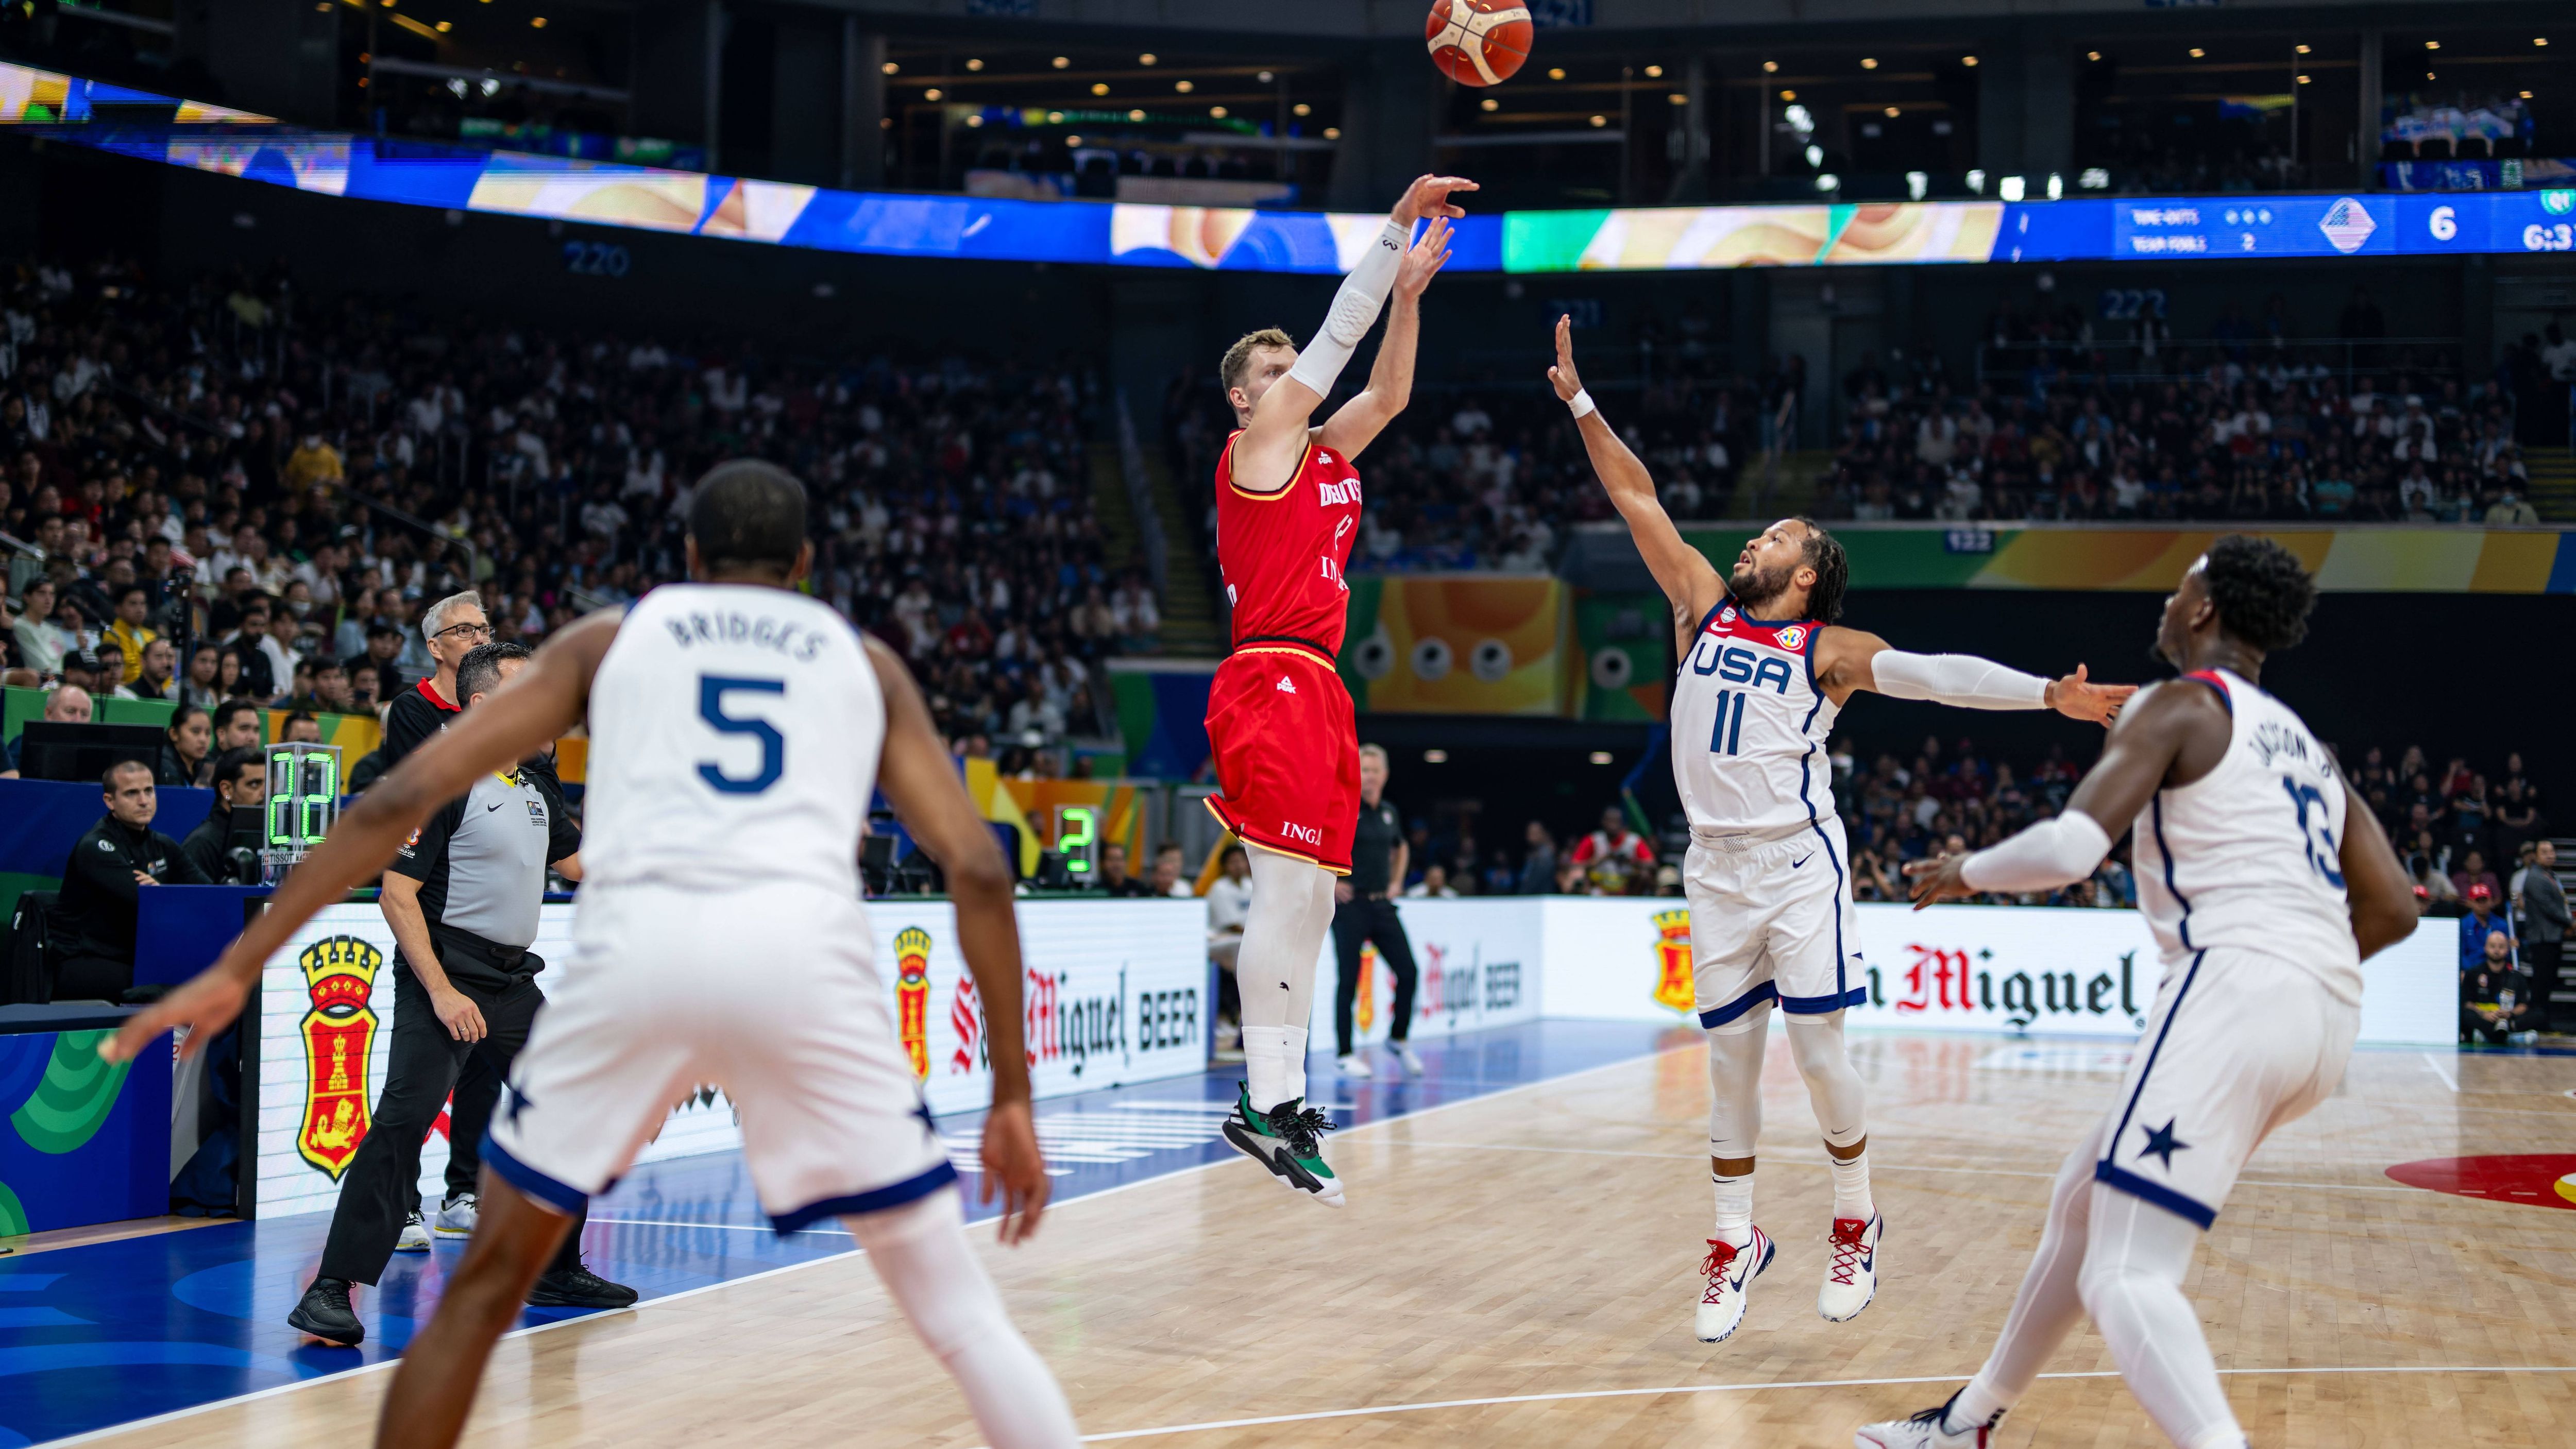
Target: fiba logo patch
(1793, 638)
(1673, 984)
(339, 976)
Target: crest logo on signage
(1673, 985)
(912, 994)
(339, 1031)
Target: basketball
(1478, 42)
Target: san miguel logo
(339, 974)
(912, 995)
(1673, 985)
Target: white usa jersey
(2250, 855)
(1749, 726)
(734, 736)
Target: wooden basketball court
(1520, 1269)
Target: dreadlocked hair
(2262, 592)
(1824, 554)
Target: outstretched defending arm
(922, 784)
(2185, 726)
(533, 709)
(1265, 456)
(1356, 424)
(1851, 660)
(1687, 577)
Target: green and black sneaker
(1287, 1139)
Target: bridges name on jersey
(1749, 725)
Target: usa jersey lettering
(1749, 726)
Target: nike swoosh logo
(488, 809)
(1800, 861)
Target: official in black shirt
(462, 897)
(1364, 914)
(454, 627)
(241, 779)
(103, 880)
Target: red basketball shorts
(1287, 753)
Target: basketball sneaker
(325, 1314)
(415, 1235)
(456, 1216)
(1286, 1139)
(1729, 1271)
(578, 1287)
(1927, 1430)
(1405, 1057)
(1851, 1279)
(1355, 1067)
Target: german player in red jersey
(1279, 721)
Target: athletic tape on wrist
(1581, 403)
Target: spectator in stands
(40, 642)
(2544, 927)
(2496, 995)
(160, 657)
(102, 882)
(261, 678)
(66, 704)
(2517, 817)
(1166, 881)
(1229, 905)
(1538, 860)
(240, 778)
(133, 607)
(237, 725)
(201, 687)
(1616, 860)
(300, 729)
(2473, 876)
(110, 668)
(1114, 879)
(2485, 918)
(1433, 886)
(384, 645)
(184, 742)
(452, 627)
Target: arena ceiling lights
(462, 178)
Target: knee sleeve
(2135, 1256)
(1735, 1088)
(1832, 1085)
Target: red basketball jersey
(1281, 554)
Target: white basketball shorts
(769, 993)
(1772, 920)
(2239, 1043)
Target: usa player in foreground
(1279, 721)
(737, 727)
(1763, 674)
(2267, 884)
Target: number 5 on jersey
(712, 689)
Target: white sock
(921, 1253)
(1851, 1187)
(1734, 1209)
(1292, 1063)
(1265, 1065)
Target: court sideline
(1517, 1268)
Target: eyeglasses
(470, 631)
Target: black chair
(26, 976)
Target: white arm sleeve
(1963, 680)
(2047, 855)
(1355, 309)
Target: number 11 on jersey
(1725, 738)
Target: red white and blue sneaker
(1851, 1278)
(1729, 1271)
(1927, 1430)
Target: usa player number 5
(712, 689)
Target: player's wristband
(1581, 403)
